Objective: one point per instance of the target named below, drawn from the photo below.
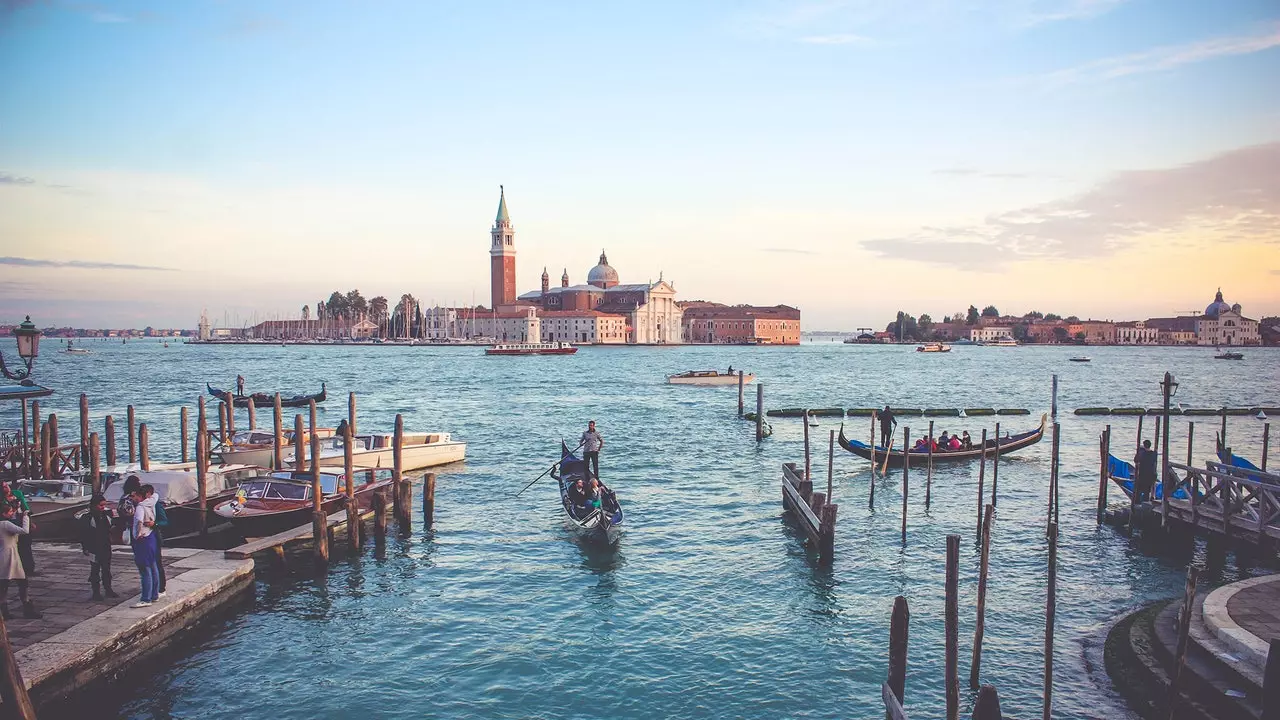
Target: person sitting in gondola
(595, 494)
(954, 443)
(966, 442)
(578, 498)
(944, 441)
(921, 446)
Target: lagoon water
(709, 606)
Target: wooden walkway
(1220, 499)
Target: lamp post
(1170, 388)
(28, 337)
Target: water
(709, 607)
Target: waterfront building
(584, 327)
(1136, 332)
(1224, 324)
(508, 324)
(1174, 330)
(204, 325)
(1048, 331)
(1096, 332)
(710, 322)
(991, 333)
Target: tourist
(13, 524)
(95, 540)
(592, 444)
(954, 443)
(162, 521)
(124, 508)
(144, 547)
(966, 442)
(922, 446)
(1146, 464)
(239, 384)
(887, 425)
(343, 427)
(18, 499)
(944, 441)
(594, 494)
(578, 497)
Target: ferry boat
(1005, 341)
(934, 347)
(554, 348)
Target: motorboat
(179, 490)
(1229, 355)
(280, 501)
(552, 348)
(255, 447)
(933, 347)
(708, 377)
(420, 450)
(72, 350)
(1081, 358)
(54, 504)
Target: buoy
(1261, 415)
(962, 414)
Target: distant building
(1174, 330)
(584, 327)
(714, 323)
(1096, 332)
(509, 324)
(991, 333)
(1048, 331)
(1136, 332)
(1223, 324)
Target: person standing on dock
(239, 384)
(592, 444)
(144, 548)
(13, 524)
(1146, 463)
(887, 424)
(95, 541)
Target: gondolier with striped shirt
(592, 443)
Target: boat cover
(1123, 472)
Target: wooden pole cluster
(144, 444)
(277, 419)
(928, 482)
(133, 437)
(982, 472)
(1104, 471)
(1050, 616)
(906, 471)
(952, 619)
(980, 626)
(995, 466)
(353, 507)
(1184, 630)
(759, 412)
(182, 420)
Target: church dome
(1217, 306)
(602, 275)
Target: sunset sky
(1107, 158)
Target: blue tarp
(1123, 472)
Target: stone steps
(1206, 678)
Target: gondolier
(887, 423)
(592, 444)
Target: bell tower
(502, 256)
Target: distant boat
(1081, 358)
(708, 377)
(555, 348)
(76, 350)
(1230, 355)
(1005, 341)
(934, 347)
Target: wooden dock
(1223, 500)
(815, 516)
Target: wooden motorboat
(54, 504)
(604, 523)
(420, 450)
(708, 377)
(1002, 446)
(934, 347)
(179, 490)
(552, 348)
(263, 400)
(1230, 355)
(253, 447)
(270, 504)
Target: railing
(1221, 498)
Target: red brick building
(713, 323)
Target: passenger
(954, 444)
(966, 442)
(144, 547)
(124, 508)
(922, 445)
(162, 522)
(944, 441)
(730, 369)
(577, 497)
(594, 494)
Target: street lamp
(28, 337)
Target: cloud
(1070, 10)
(80, 264)
(1234, 197)
(789, 251)
(837, 39)
(7, 179)
(972, 172)
(1168, 57)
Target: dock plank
(302, 532)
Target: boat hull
(261, 456)
(554, 351)
(55, 521)
(289, 514)
(709, 380)
(897, 457)
(413, 457)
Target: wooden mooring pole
(1163, 442)
(84, 430)
(952, 619)
(1104, 451)
(979, 628)
(1051, 516)
(899, 628)
(144, 445)
(277, 419)
(987, 706)
(299, 445)
(1266, 443)
(46, 458)
(353, 507)
(222, 422)
(26, 441)
(1224, 427)
(429, 501)
(831, 462)
(253, 415)
(1191, 439)
(202, 475)
(807, 475)
(319, 520)
(928, 481)
(182, 422)
(741, 388)
(111, 440)
(982, 471)
(1050, 616)
(351, 412)
(95, 471)
(995, 466)
(133, 437)
(379, 504)
(231, 416)
(759, 412)
(906, 470)
(1184, 630)
(13, 691)
(873, 452)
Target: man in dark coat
(1146, 462)
(887, 423)
(95, 540)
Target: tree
(925, 324)
(905, 327)
(337, 305)
(1072, 319)
(378, 310)
(972, 317)
(320, 311)
(1052, 318)
(1033, 315)
(990, 311)
(306, 312)
(1020, 333)
(357, 306)
(1060, 334)
(1081, 337)
(957, 317)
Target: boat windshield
(54, 488)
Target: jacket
(95, 533)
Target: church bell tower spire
(502, 255)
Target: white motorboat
(708, 377)
(420, 450)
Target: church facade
(1224, 324)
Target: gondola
(265, 400)
(1007, 445)
(604, 523)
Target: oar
(885, 467)
(544, 472)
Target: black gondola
(1006, 446)
(602, 523)
(265, 400)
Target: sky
(1113, 159)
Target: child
(95, 540)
